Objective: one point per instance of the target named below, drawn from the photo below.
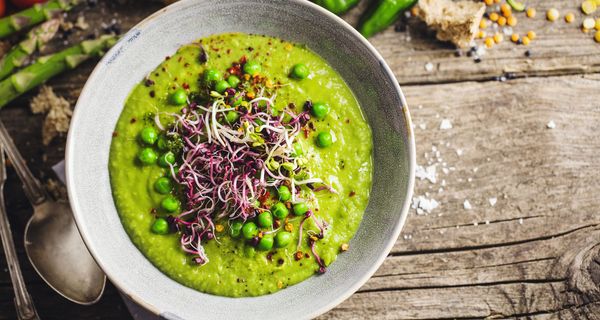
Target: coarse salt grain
(424, 205)
(445, 124)
(459, 152)
(551, 125)
(467, 205)
(429, 67)
(493, 201)
(428, 173)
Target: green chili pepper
(381, 15)
(337, 6)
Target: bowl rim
(411, 149)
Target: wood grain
(559, 49)
(535, 254)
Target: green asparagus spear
(34, 15)
(47, 67)
(36, 39)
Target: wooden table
(534, 254)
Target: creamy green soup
(237, 267)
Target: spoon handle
(33, 188)
(23, 302)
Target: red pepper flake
(115, 134)
(280, 261)
(352, 194)
(186, 65)
(149, 82)
(153, 211)
(152, 94)
(298, 255)
(276, 223)
(185, 86)
(306, 131)
(133, 120)
(167, 57)
(250, 49)
(306, 255)
(243, 59)
(270, 256)
(228, 50)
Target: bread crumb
(58, 111)
(454, 21)
(56, 189)
(81, 23)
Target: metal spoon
(52, 241)
(23, 303)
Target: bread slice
(454, 21)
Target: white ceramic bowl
(138, 53)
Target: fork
(23, 302)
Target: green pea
(249, 230)
(265, 219)
(232, 116)
(265, 243)
(160, 226)
(235, 228)
(282, 239)
(324, 139)
(166, 158)
(170, 204)
(147, 156)
(163, 185)
(179, 97)
(297, 150)
(300, 208)
(300, 71)
(284, 193)
(162, 143)
(279, 210)
(252, 67)
(320, 110)
(148, 135)
(233, 81)
(211, 76)
(221, 86)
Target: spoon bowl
(59, 255)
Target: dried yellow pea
(569, 17)
(589, 23)
(588, 7)
(498, 38)
(531, 12)
(552, 14)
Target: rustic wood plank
(539, 255)
(559, 49)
